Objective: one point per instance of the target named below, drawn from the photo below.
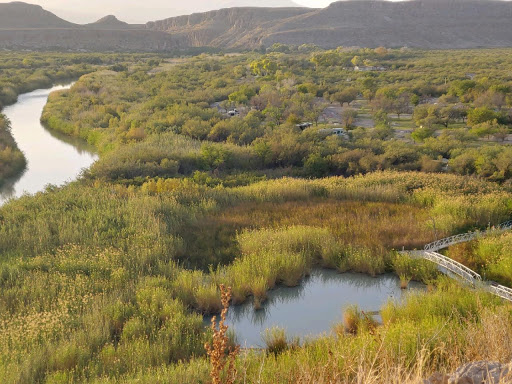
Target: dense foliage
(106, 279)
(12, 161)
(419, 111)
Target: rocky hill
(229, 27)
(368, 23)
(418, 23)
(112, 22)
(27, 26)
(22, 15)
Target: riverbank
(12, 160)
(48, 160)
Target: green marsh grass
(98, 275)
(276, 341)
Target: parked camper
(334, 131)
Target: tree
(274, 114)
(314, 112)
(316, 165)
(464, 164)
(491, 99)
(503, 164)
(325, 59)
(420, 113)
(225, 105)
(263, 150)
(196, 128)
(356, 61)
(240, 71)
(369, 86)
(243, 95)
(461, 88)
(487, 128)
(402, 104)
(422, 133)
(214, 156)
(264, 67)
(454, 113)
(501, 133)
(381, 118)
(348, 116)
(448, 115)
(480, 115)
(347, 95)
(381, 51)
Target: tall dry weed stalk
(222, 355)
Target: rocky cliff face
(366, 23)
(226, 27)
(419, 23)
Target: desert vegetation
(106, 279)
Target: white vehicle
(334, 131)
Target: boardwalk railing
(458, 269)
(501, 291)
(464, 237)
(453, 266)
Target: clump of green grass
(363, 260)
(259, 291)
(351, 318)
(355, 321)
(404, 281)
(408, 268)
(276, 341)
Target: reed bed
(125, 303)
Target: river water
(313, 307)
(52, 158)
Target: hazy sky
(141, 11)
(314, 3)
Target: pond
(312, 308)
(52, 158)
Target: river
(52, 158)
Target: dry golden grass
(357, 223)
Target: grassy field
(107, 279)
(112, 280)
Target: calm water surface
(312, 308)
(52, 158)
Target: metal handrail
(470, 276)
(453, 266)
(501, 291)
(464, 237)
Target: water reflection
(313, 307)
(52, 158)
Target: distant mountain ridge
(23, 15)
(27, 26)
(226, 27)
(367, 23)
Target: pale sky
(314, 3)
(137, 11)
